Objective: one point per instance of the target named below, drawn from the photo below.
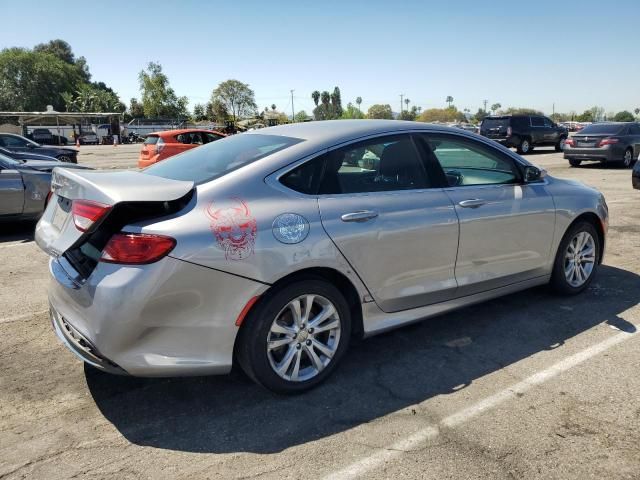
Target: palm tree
(406, 102)
(273, 107)
(359, 101)
(325, 97)
(316, 97)
(449, 100)
(637, 110)
(495, 107)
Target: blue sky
(574, 53)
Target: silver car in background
(275, 248)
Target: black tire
(559, 283)
(627, 159)
(560, 145)
(524, 146)
(574, 162)
(66, 158)
(251, 351)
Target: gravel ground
(528, 386)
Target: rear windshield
(151, 140)
(495, 122)
(218, 158)
(600, 128)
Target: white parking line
(416, 440)
(17, 318)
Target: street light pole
(401, 95)
(485, 105)
(293, 112)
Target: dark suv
(524, 131)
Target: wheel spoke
(324, 349)
(324, 314)
(283, 366)
(295, 373)
(273, 344)
(315, 359)
(295, 308)
(308, 304)
(335, 323)
(277, 328)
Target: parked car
(88, 138)
(524, 132)
(469, 127)
(635, 175)
(25, 186)
(605, 142)
(161, 145)
(17, 143)
(44, 136)
(277, 247)
(26, 155)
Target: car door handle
(472, 203)
(361, 216)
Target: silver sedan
(275, 248)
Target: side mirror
(533, 174)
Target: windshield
(218, 158)
(602, 128)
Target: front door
(398, 233)
(506, 226)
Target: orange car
(161, 145)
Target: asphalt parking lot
(528, 386)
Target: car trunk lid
(587, 141)
(56, 231)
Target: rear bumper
(147, 162)
(599, 154)
(169, 318)
(509, 142)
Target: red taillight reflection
(509, 131)
(608, 141)
(569, 142)
(86, 213)
(136, 248)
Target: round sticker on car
(290, 228)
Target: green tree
(495, 107)
(135, 108)
(637, 111)
(273, 107)
(479, 115)
(90, 98)
(62, 50)
(316, 97)
(301, 116)
(586, 116)
(336, 102)
(358, 102)
(449, 100)
(380, 111)
(410, 115)
(351, 112)
(158, 98)
(217, 111)
(236, 97)
(624, 116)
(327, 108)
(199, 112)
(449, 114)
(29, 81)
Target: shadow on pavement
(379, 376)
(20, 232)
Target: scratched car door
(397, 231)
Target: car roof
(333, 132)
(170, 133)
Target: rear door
(552, 133)
(495, 127)
(634, 139)
(396, 229)
(186, 141)
(506, 226)
(538, 129)
(11, 191)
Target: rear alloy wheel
(577, 259)
(574, 162)
(627, 159)
(295, 337)
(560, 145)
(525, 146)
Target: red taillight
(509, 131)
(136, 248)
(569, 142)
(86, 213)
(608, 141)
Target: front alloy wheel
(577, 259)
(525, 146)
(627, 159)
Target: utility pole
(485, 105)
(553, 109)
(401, 95)
(293, 112)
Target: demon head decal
(234, 227)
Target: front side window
(212, 137)
(380, 165)
(10, 141)
(547, 122)
(466, 162)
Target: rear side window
(151, 140)
(537, 122)
(306, 177)
(634, 129)
(602, 128)
(212, 137)
(216, 159)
